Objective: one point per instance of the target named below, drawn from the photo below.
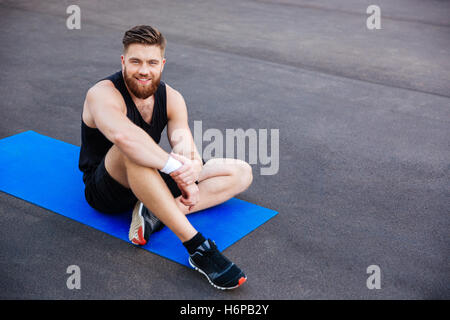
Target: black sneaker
(143, 224)
(221, 272)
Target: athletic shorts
(105, 194)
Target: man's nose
(144, 70)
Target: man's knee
(128, 164)
(119, 166)
(115, 157)
(244, 174)
(116, 165)
(240, 170)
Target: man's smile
(144, 80)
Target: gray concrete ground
(364, 142)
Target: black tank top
(94, 145)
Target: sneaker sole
(136, 232)
(240, 282)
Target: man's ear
(163, 63)
(122, 60)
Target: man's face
(142, 66)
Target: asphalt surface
(364, 156)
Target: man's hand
(190, 195)
(188, 173)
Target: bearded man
(124, 168)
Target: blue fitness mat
(44, 171)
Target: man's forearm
(140, 148)
(199, 163)
(190, 152)
(193, 155)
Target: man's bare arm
(108, 110)
(181, 140)
(178, 131)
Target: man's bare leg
(219, 181)
(148, 186)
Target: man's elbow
(120, 139)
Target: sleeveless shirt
(94, 145)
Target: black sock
(192, 244)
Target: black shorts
(105, 194)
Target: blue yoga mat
(44, 171)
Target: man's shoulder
(104, 90)
(105, 93)
(174, 97)
(171, 92)
(175, 102)
(102, 86)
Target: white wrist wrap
(171, 165)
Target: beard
(139, 90)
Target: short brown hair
(145, 35)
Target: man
(124, 168)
